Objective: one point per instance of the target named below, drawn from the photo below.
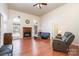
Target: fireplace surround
(27, 32)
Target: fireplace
(27, 32)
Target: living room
(53, 19)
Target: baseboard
(75, 44)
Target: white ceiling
(28, 8)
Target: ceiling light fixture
(40, 5)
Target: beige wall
(4, 13)
(66, 16)
(24, 16)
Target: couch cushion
(45, 35)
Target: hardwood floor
(39, 47)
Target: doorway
(1, 33)
(0, 27)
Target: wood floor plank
(39, 47)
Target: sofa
(63, 43)
(44, 35)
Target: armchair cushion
(66, 34)
(64, 38)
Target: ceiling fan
(40, 5)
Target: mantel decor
(27, 21)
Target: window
(16, 27)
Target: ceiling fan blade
(35, 4)
(39, 5)
(44, 3)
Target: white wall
(24, 16)
(0, 23)
(4, 13)
(67, 16)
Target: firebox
(27, 34)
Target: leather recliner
(63, 43)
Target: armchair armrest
(59, 44)
(58, 40)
